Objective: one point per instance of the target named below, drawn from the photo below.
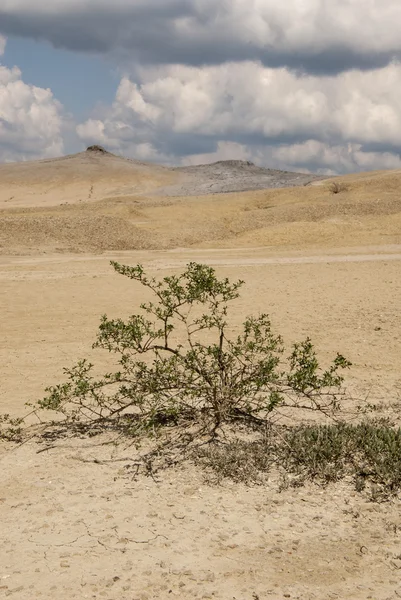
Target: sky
(304, 85)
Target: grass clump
(369, 453)
(11, 428)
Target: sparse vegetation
(369, 453)
(180, 369)
(11, 428)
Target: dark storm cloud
(314, 37)
(103, 30)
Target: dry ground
(323, 265)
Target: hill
(95, 201)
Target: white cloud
(318, 35)
(326, 158)
(92, 131)
(241, 105)
(30, 119)
(247, 98)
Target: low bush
(177, 363)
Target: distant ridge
(97, 164)
(225, 176)
(96, 201)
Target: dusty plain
(75, 523)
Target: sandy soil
(76, 523)
(76, 528)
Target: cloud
(306, 84)
(316, 36)
(308, 122)
(324, 158)
(31, 120)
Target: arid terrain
(322, 257)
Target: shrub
(337, 187)
(208, 377)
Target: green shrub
(177, 363)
